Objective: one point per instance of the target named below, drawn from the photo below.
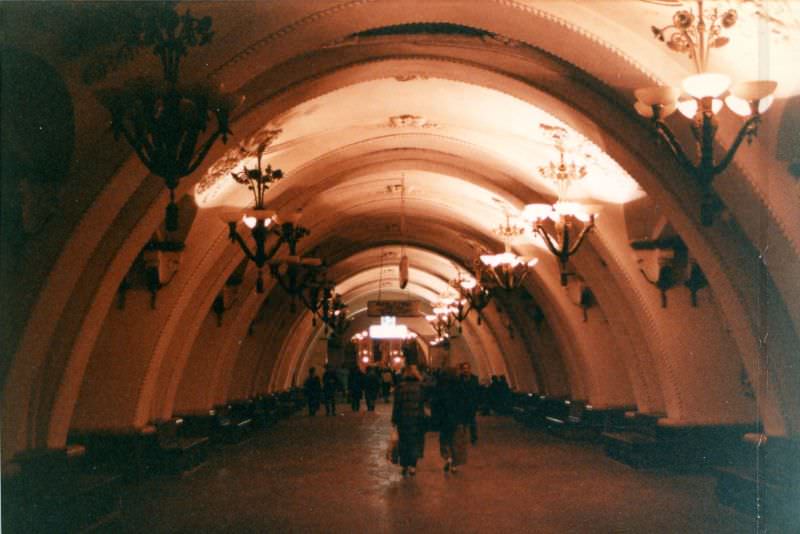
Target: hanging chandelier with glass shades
(507, 269)
(563, 226)
(263, 223)
(696, 34)
(170, 126)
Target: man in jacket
(471, 389)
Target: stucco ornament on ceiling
(212, 183)
(410, 121)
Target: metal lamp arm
(675, 147)
(238, 239)
(548, 240)
(137, 147)
(581, 237)
(651, 282)
(749, 128)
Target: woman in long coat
(450, 399)
(408, 415)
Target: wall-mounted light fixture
(696, 34)
(507, 269)
(162, 120)
(563, 226)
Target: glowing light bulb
(250, 222)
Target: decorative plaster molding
(210, 184)
(410, 121)
(410, 76)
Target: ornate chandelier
(507, 269)
(695, 34)
(564, 225)
(263, 223)
(473, 296)
(441, 320)
(335, 316)
(162, 120)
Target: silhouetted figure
(330, 385)
(450, 411)
(372, 383)
(494, 394)
(472, 392)
(313, 391)
(387, 379)
(356, 383)
(408, 415)
(503, 396)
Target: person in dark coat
(387, 379)
(408, 415)
(330, 384)
(452, 412)
(313, 391)
(472, 392)
(372, 383)
(356, 383)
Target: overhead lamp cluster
(163, 120)
(393, 354)
(701, 96)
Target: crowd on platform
(425, 400)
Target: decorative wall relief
(212, 183)
(410, 121)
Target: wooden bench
(179, 453)
(649, 441)
(53, 493)
(131, 452)
(233, 423)
(525, 408)
(289, 402)
(265, 413)
(765, 479)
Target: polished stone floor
(329, 474)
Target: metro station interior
(598, 201)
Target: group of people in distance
(452, 393)
(358, 385)
(454, 403)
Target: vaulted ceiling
(402, 127)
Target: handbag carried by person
(393, 450)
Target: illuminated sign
(388, 329)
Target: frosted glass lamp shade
(688, 108)
(574, 209)
(657, 96)
(469, 283)
(708, 84)
(743, 93)
(648, 97)
(754, 90)
(738, 105)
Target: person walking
(408, 416)
(313, 390)
(452, 414)
(356, 383)
(472, 392)
(330, 384)
(387, 379)
(372, 383)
